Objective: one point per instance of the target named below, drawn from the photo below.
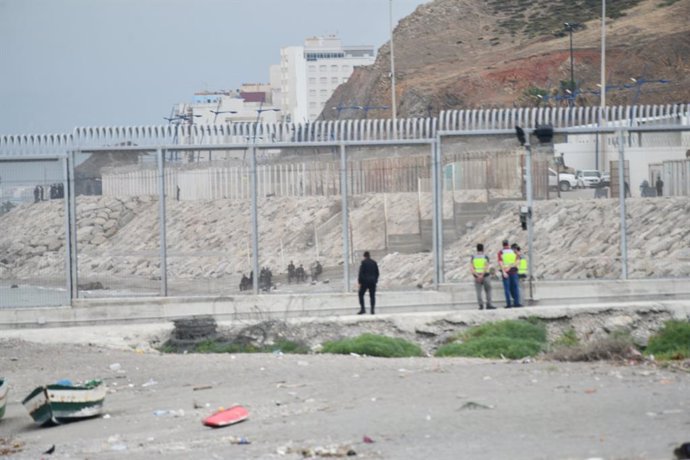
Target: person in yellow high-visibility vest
(508, 260)
(522, 268)
(479, 267)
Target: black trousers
(372, 295)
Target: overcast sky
(67, 63)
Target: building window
(312, 92)
(323, 93)
(322, 68)
(334, 68)
(346, 68)
(312, 80)
(334, 80)
(312, 104)
(323, 80)
(312, 68)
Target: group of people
(55, 191)
(265, 280)
(512, 269)
(299, 275)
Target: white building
(310, 74)
(252, 102)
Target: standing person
(522, 269)
(367, 279)
(659, 186)
(479, 267)
(508, 261)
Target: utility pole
(393, 105)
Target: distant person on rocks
(291, 272)
(367, 279)
(508, 261)
(37, 194)
(659, 186)
(479, 267)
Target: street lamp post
(569, 27)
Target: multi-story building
(252, 102)
(310, 74)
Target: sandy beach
(324, 405)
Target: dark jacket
(368, 272)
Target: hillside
(457, 54)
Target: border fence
(247, 198)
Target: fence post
(160, 153)
(68, 240)
(255, 220)
(345, 233)
(436, 218)
(621, 200)
(73, 227)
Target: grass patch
(492, 347)
(373, 345)
(671, 342)
(512, 339)
(222, 346)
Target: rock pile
(119, 238)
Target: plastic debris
(115, 367)
(50, 450)
(367, 440)
(471, 405)
(151, 382)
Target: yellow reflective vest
(479, 262)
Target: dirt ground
(421, 408)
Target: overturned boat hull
(3, 397)
(55, 404)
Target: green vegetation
(220, 346)
(568, 339)
(513, 339)
(373, 345)
(535, 19)
(671, 342)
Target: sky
(68, 63)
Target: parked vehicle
(563, 181)
(588, 178)
(606, 179)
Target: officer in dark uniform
(367, 279)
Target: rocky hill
(118, 238)
(458, 54)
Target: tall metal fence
(248, 208)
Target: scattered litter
(590, 391)
(302, 363)
(14, 358)
(169, 413)
(119, 447)
(651, 414)
(225, 417)
(356, 355)
(290, 385)
(486, 377)
(373, 399)
(241, 440)
(471, 405)
(319, 451)
(665, 381)
(106, 416)
(672, 411)
(428, 418)
(202, 387)
(50, 450)
(367, 440)
(151, 382)
(115, 367)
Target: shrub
(512, 339)
(373, 345)
(614, 346)
(224, 346)
(492, 347)
(671, 342)
(530, 329)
